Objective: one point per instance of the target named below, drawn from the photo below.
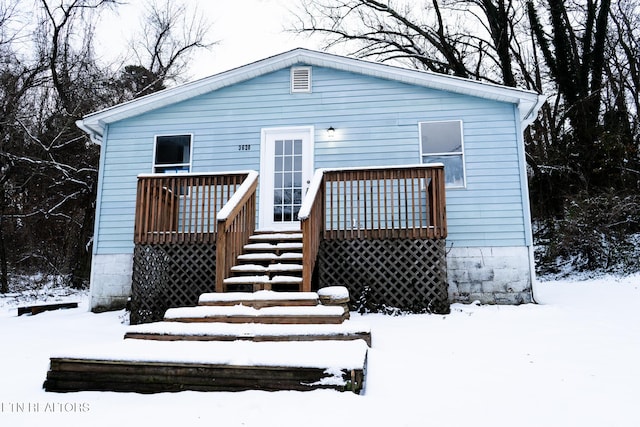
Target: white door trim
(268, 135)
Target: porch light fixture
(330, 132)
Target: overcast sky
(247, 30)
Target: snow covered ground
(572, 360)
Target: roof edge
(528, 102)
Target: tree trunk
(4, 274)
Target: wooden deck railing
(182, 208)
(358, 203)
(236, 222)
(372, 203)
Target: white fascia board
(528, 102)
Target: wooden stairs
(234, 341)
(271, 261)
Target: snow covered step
(286, 280)
(271, 247)
(272, 268)
(260, 282)
(259, 299)
(254, 257)
(284, 267)
(270, 257)
(270, 237)
(172, 331)
(158, 366)
(244, 314)
(290, 256)
(249, 268)
(247, 280)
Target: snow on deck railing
(234, 201)
(236, 222)
(310, 197)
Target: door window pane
(287, 179)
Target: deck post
(221, 242)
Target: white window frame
(451, 154)
(265, 211)
(155, 148)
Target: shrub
(597, 233)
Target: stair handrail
(312, 219)
(236, 222)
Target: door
(286, 168)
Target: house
(392, 170)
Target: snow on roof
(528, 102)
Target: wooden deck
(371, 203)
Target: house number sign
(244, 147)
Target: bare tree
(17, 78)
(584, 54)
(471, 38)
(53, 166)
(624, 58)
(170, 33)
(574, 52)
(48, 167)
(8, 13)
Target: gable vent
(300, 79)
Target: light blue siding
(376, 123)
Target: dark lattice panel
(170, 275)
(400, 273)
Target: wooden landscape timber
(71, 375)
(40, 308)
(281, 345)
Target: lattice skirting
(170, 275)
(406, 274)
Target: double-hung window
(441, 142)
(172, 154)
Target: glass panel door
(285, 172)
